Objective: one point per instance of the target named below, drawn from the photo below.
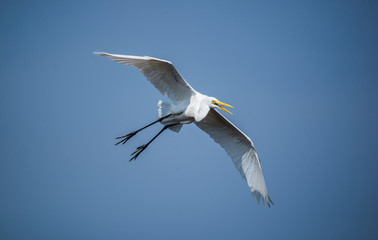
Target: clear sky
(302, 75)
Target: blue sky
(302, 76)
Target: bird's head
(215, 103)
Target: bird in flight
(190, 106)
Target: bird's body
(185, 112)
(190, 106)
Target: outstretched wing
(241, 150)
(161, 73)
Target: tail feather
(164, 108)
(176, 128)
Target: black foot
(125, 138)
(138, 151)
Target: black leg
(140, 149)
(126, 137)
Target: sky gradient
(302, 76)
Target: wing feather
(161, 73)
(241, 150)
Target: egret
(189, 106)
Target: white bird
(191, 106)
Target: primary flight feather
(191, 106)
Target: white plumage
(191, 106)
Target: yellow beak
(224, 104)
